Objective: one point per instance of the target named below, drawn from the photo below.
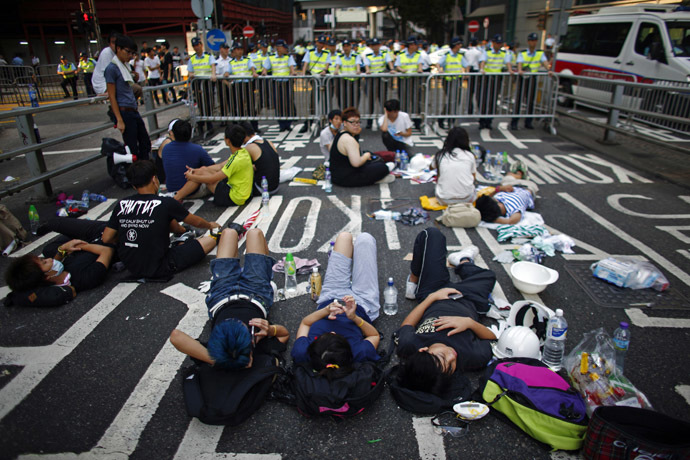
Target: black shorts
(221, 197)
(180, 257)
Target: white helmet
(517, 342)
(532, 315)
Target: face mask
(57, 267)
(333, 127)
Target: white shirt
(98, 78)
(326, 141)
(472, 57)
(455, 177)
(223, 65)
(155, 62)
(138, 66)
(400, 125)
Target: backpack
(423, 403)
(10, 228)
(42, 296)
(228, 397)
(117, 172)
(462, 215)
(537, 400)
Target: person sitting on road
(336, 335)
(505, 204)
(238, 302)
(349, 166)
(335, 121)
(396, 127)
(140, 225)
(457, 169)
(176, 155)
(264, 158)
(442, 335)
(230, 183)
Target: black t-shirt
(143, 223)
(85, 272)
(166, 66)
(473, 352)
(244, 311)
(267, 165)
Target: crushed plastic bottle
(384, 214)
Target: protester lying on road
(238, 302)
(441, 335)
(505, 204)
(337, 335)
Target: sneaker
(387, 179)
(238, 228)
(410, 289)
(181, 238)
(304, 128)
(470, 252)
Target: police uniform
(348, 87)
(314, 63)
(471, 62)
(68, 79)
(202, 66)
(452, 84)
(410, 90)
(242, 90)
(87, 67)
(376, 89)
(492, 84)
(283, 97)
(527, 84)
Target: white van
(645, 42)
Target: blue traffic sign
(215, 38)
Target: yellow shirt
(240, 175)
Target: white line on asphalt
(684, 252)
(389, 226)
(308, 231)
(676, 231)
(39, 361)
(273, 207)
(640, 319)
(646, 250)
(615, 202)
(354, 214)
(599, 177)
(684, 391)
(429, 443)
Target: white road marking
(640, 319)
(39, 361)
(389, 226)
(308, 227)
(509, 137)
(354, 225)
(594, 252)
(429, 443)
(623, 175)
(684, 391)
(646, 250)
(599, 177)
(615, 202)
(264, 221)
(684, 252)
(676, 231)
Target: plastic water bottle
(384, 214)
(330, 248)
(315, 284)
(390, 299)
(404, 161)
(85, 197)
(265, 196)
(32, 96)
(327, 184)
(33, 219)
(290, 273)
(488, 165)
(97, 197)
(621, 342)
(397, 159)
(505, 167)
(554, 348)
(477, 155)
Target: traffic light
(88, 23)
(541, 21)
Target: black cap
(263, 43)
(374, 41)
(196, 41)
(498, 38)
(81, 55)
(455, 41)
(474, 42)
(281, 42)
(225, 45)
(251, 46)
(411, 40)
(533, 36)
(321, 39)
(236, 45)
(347, 42)
(331, 42)
(63, 58)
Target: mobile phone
(455, 296)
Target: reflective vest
(240, 68)
(533, 62)
(201, 65)
(317, 62)
(66, 68)
(299, 49)
(453, 65)
(279, 65)
(409, 64)
(494, 61)
(348, 65)
(88, 65)
(377, 64)
(258, 61)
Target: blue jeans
(229, 278)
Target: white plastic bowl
(531, 278)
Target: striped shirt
(519, 200)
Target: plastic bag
(630, 273)
(591, 367)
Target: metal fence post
(34, 159)
(616, 100)
(151, 120)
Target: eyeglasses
(356, 122)
(128, 51)
(454, 431)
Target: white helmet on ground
(532, 315)
(517, 342)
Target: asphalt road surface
(97, 378)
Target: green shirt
(240, 175)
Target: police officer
(243, 90)
(378, 61)
(202, 64)
(471, 62)
(529, 61)
(316, 62)
(451, 62)
(496, 60)
(69, 76)
(281, 64)
(409, 90)
(86, 67)
(223, 70)
(347, 63)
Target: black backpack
(423, 403)
(225, 397)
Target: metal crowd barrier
(33, 147)
(261, 98)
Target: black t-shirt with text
(143, 223)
